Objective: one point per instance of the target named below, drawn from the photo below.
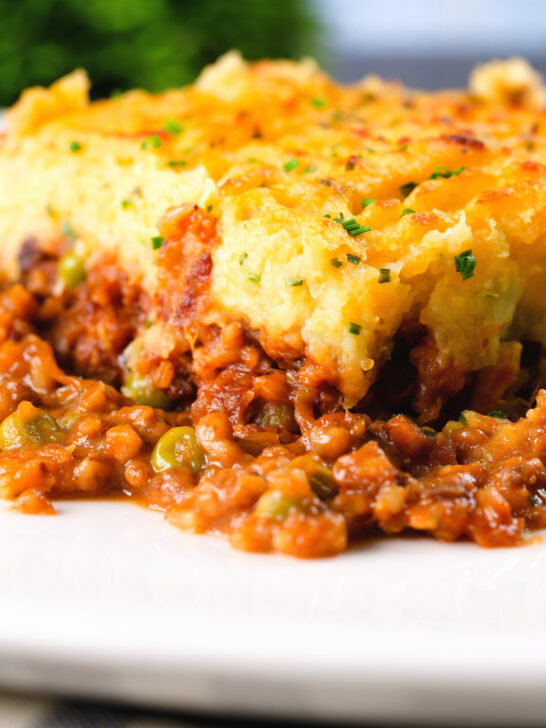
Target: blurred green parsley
(152, 44)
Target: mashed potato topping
(345, 215)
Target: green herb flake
(403, 147)
(499, 414)
(310, 168)
(336, 262)
(151, 142)
(367, 201)
(462, 419)
(177, 163)
(370, 150)
(384, 275)
(126, 203)
(408, 188)
(354, 328)
(291, 164)
(209, 208)
(354, 259)
(445, 173)
(465, 264)
(243, 257)
(318, 102)
(68, 231)
(297, 283)
(157, 241)
(75, 147)
(173, 127)
(254, 278)
(407, 211)
(352, 226)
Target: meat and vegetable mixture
(283, 311)
(249, 452)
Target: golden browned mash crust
(278, 265)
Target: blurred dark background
(153, 44)
(156, 44)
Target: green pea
(280, 416)
(319, 475)
(178, 448)
(141, 391)
(71, 269)
(16, 431)
(322, 482)
(274, 504)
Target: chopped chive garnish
(68, 231)
(177, 163)
(384, 275)
(243, 257)
(126, 203)
(173, 127)
(408, 188)
(370, 150)
(318, 102)
(355, 329)
(297, 283)
(254, 278)
(209, 208)
(445, 172)
(407, 211)
(462, 419)
(150, 142)
(498, 413)
(354, 259)
(336, 262)
(309, 169)
(75, 147)
(367, 201)
(465, 263)
(157, 241)
(291, 164)
(352, 226)
(403, 147)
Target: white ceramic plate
(108, 600)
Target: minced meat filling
(252, 459)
